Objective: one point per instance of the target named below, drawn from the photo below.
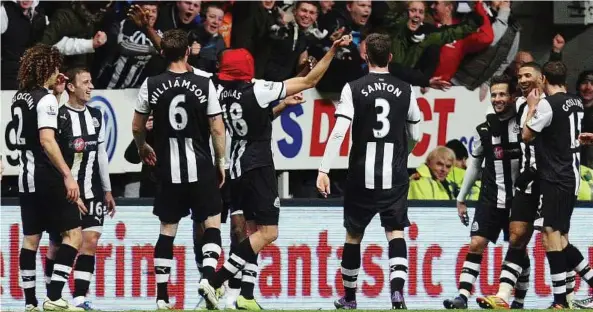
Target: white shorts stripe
(174, 160)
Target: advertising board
(299, 134)
(300, 270)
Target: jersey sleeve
(413, 109)
(213, 104)
(345, 107)
(267, 92)
(542, 117)
(47, 112)
(477, 149)
(102, 128)
(142, 105)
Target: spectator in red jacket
(453, 53)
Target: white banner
(300, 270)
(299, 134)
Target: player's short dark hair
(378, 49)
(533, 65)
(72, 73)
(504, 79)
(555, 73)
(458, 148)
(174, 45)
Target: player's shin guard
(83, 272)
(575, 260)
(557, 262)
(249, 277)
(234, 264)
(62, 269)
(522, 284)
(350, 267)
(235, 281)
(49, 269)
(469, 274)
(198, 243)
(511, 270)
(210, 251)
(398, 264)
(27, 267)
(163, 260)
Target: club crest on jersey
(109, 122)
(498, 152)
(516, 128)
(78, 145)
(96, 123)
(277, 202)
(475, 226)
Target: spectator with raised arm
(22, 24)
(76, 31)
(135, 48)
(453, 53)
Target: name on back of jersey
(27, 97)
(572, 102)
(381, 86)
(230, 93)
(176, 83)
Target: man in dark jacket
(22, 25)
(206, 41)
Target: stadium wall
(301, 269)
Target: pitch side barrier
(301, 270)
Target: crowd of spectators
(436, 44)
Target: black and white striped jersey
(80, 131)
(558, 122)
(248, 117)
(32, 111)
(380, 107)
(499, 146)
(527, 149)
(181, 104)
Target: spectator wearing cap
(584, 89)
(457, 173)
(135, 48)
(21, 24)
(206, 41)
(453, 53)
(430, 180)
(77, 31)
(289, 47)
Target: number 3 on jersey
(178, 114)
(383, 126)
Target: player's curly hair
(38, 64)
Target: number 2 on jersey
(383, 130)
(18, 113)
(178, 114)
